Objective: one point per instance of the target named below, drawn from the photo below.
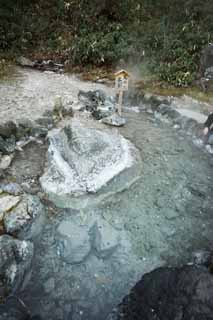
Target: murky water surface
(161, 219)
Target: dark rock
(24, 127)
(92, 99)
(8, 129)
(15, 264)
(45, 121)
(67, 112)
(97, 103)
(155, 100)
(170, 293)
(39, 131)
(202, 258)
(168, 111)
(48, 65)
(7, 146)
(101, 113)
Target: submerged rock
(15, 264)
(114, 120)
(82, 160)
(169, 293)
(73, 242)
(104, 239)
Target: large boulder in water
(83, 160)
(184, 293)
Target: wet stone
(104, 239)
(8, 129)
(114, 120)
(5, 161)
(210, 139)
(73, 242)
(201, 257)
(26, 221)
(39, 131)
(102, 113)
(7, 202)
(11, 188)
(15, 263)
(24, 127)
(45, 121)
(8, 145)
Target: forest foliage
(169, 33)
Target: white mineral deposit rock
(82, 160)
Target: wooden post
(121, 85)
(120, 101)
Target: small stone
(7, 203)
(45, 121)
(104, 239)
(11, 188)
(209, 148)
(24, 127)
(7, 146)
(7, 129)
(16, 219)
(5, 161)
(210, 139)
(201, 257)
(39, 131)
(114, 120)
